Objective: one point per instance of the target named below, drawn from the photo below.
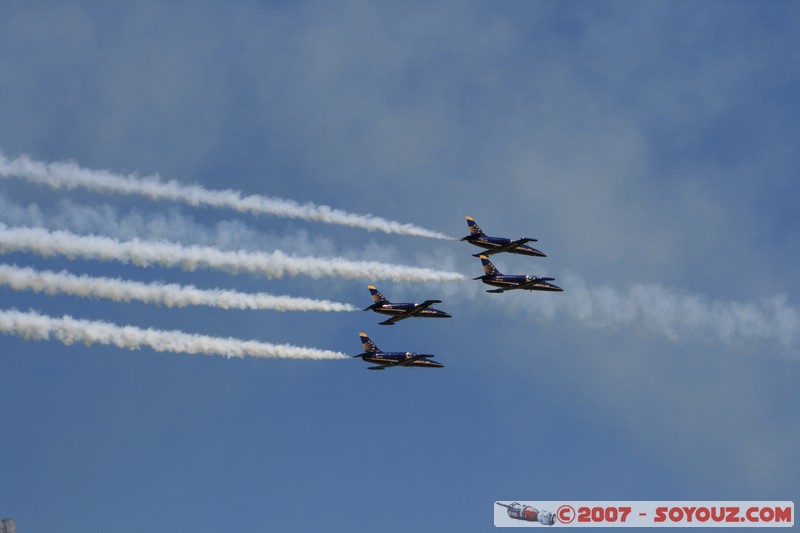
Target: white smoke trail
(33, 326)
(146, 253)
(670, 312)
(70, 175)
(171, 225)
(170, 295)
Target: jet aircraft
(495, 245)
(511, 282)
(400, 311)
(389, 359)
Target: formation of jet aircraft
(492, 276)
(389, 359)
(401, 311)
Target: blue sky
(643, 143)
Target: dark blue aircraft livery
(495, 245)
(389, 359)
(404, 310)
(511, 282)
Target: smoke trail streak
(170, 295)
(167, 225)
(70, 175)
(33, 326)
(671, 312)
(146, 253)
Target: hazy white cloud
(670, 312)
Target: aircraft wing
(405, 361)
(424, 305)
(532, 283)
(413, 358)
(508, 247)
(414, 311)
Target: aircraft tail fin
(367, 344)
(377, 297)
(488, 267)
(474, 229)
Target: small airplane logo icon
(528, 513)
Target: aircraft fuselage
(392, 358)
(528, 283)
(401, 309)
(493, 243)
